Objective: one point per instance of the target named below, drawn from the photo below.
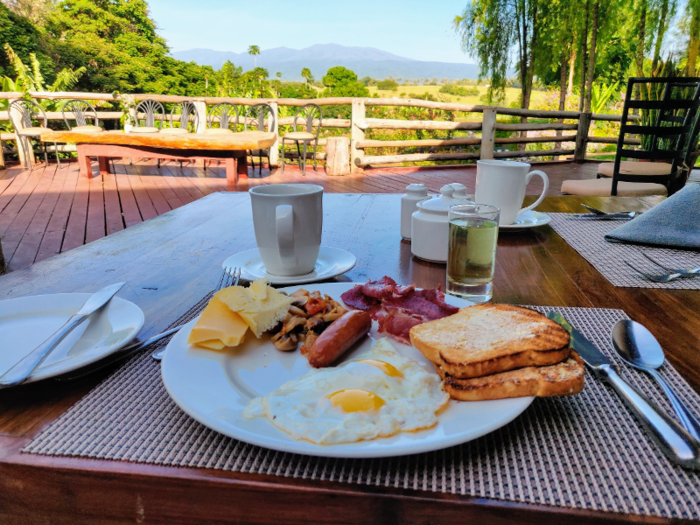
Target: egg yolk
(385, 367)
(356, 400)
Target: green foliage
(601, 96)
(368, 81)
(306, 74)
(23, 37)
(459, 91)
(296, 90)
(386, 85)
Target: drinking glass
(471, 258)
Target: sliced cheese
(260, 314)
(218, 327)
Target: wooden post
(275, 149)
(20, 143)
(201, 108)
(584, 124)
(337, 156)
(131, 101)
(357, 134)
(488, 132)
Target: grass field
(411, 91)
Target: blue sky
(415, 29)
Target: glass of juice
(471, 257)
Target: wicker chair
(147, 112)
(225, 114)
(311, 116)
(82, 112)
(182, 112)
(669, 143)
(260, 113)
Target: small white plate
(529, 219)
(215, 387)
(26, 322)
(331, 262)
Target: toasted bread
(491, 338)
(562, 379)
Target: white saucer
(25, 322)
(331, 263)
(529, 219)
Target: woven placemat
(587, 237)
(585, 451)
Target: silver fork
(598, 214)
(689, 273)
(665, 278)
(230, 277)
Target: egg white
(302, 409)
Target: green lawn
(410, 91)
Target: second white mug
(288, 220)
(502, 183)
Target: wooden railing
(574, 133)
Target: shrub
(387, 85)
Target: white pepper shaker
(414, 194)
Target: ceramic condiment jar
(429, 224)
(414, 194)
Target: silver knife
(673, 440)
(23, 369)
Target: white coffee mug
(288, 219)
(502, 183)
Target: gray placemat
(585, 451)
(587, 237)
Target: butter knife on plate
(673, 440)
(25, 366)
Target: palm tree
(306, 73)
(255, 51)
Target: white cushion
(603, 187)
(87, 129)
(217, 131)
(299, 135)
(32, 132)
(174, 131)
(145, 129)
(628, 167)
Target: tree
(254, 51)
(386, 85)
(23, 37)
(692, 13)
(342, 82)
(306, 74)
(492, 30)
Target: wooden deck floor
(48, 211)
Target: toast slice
(563, 379)
(491, 338)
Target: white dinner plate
(331, 262)
(529, 219)
(215, 387)
(26, 322)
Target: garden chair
(667, 143)
(259, 114)
(23, 115)
(152, 114)
(225, 114)
(182, 112)
(82, 112)
(310, 115)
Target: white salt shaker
(460, 192)
(414, 194)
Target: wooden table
(171, 261)
(231, 148)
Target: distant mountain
(365, 61)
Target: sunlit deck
(48, 211)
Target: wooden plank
(56, 229)
(113, 211)
(95, 227)
(143, 200)
(130, 209)
(75, 228)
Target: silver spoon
(637, 346)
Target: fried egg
(377, 394)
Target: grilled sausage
(337, 339)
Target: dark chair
(149, 117)
(185, 113)
(311, 116)
(23, 115)
(80, 112)
(665, 139)
(225, 115)
(263, 119)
